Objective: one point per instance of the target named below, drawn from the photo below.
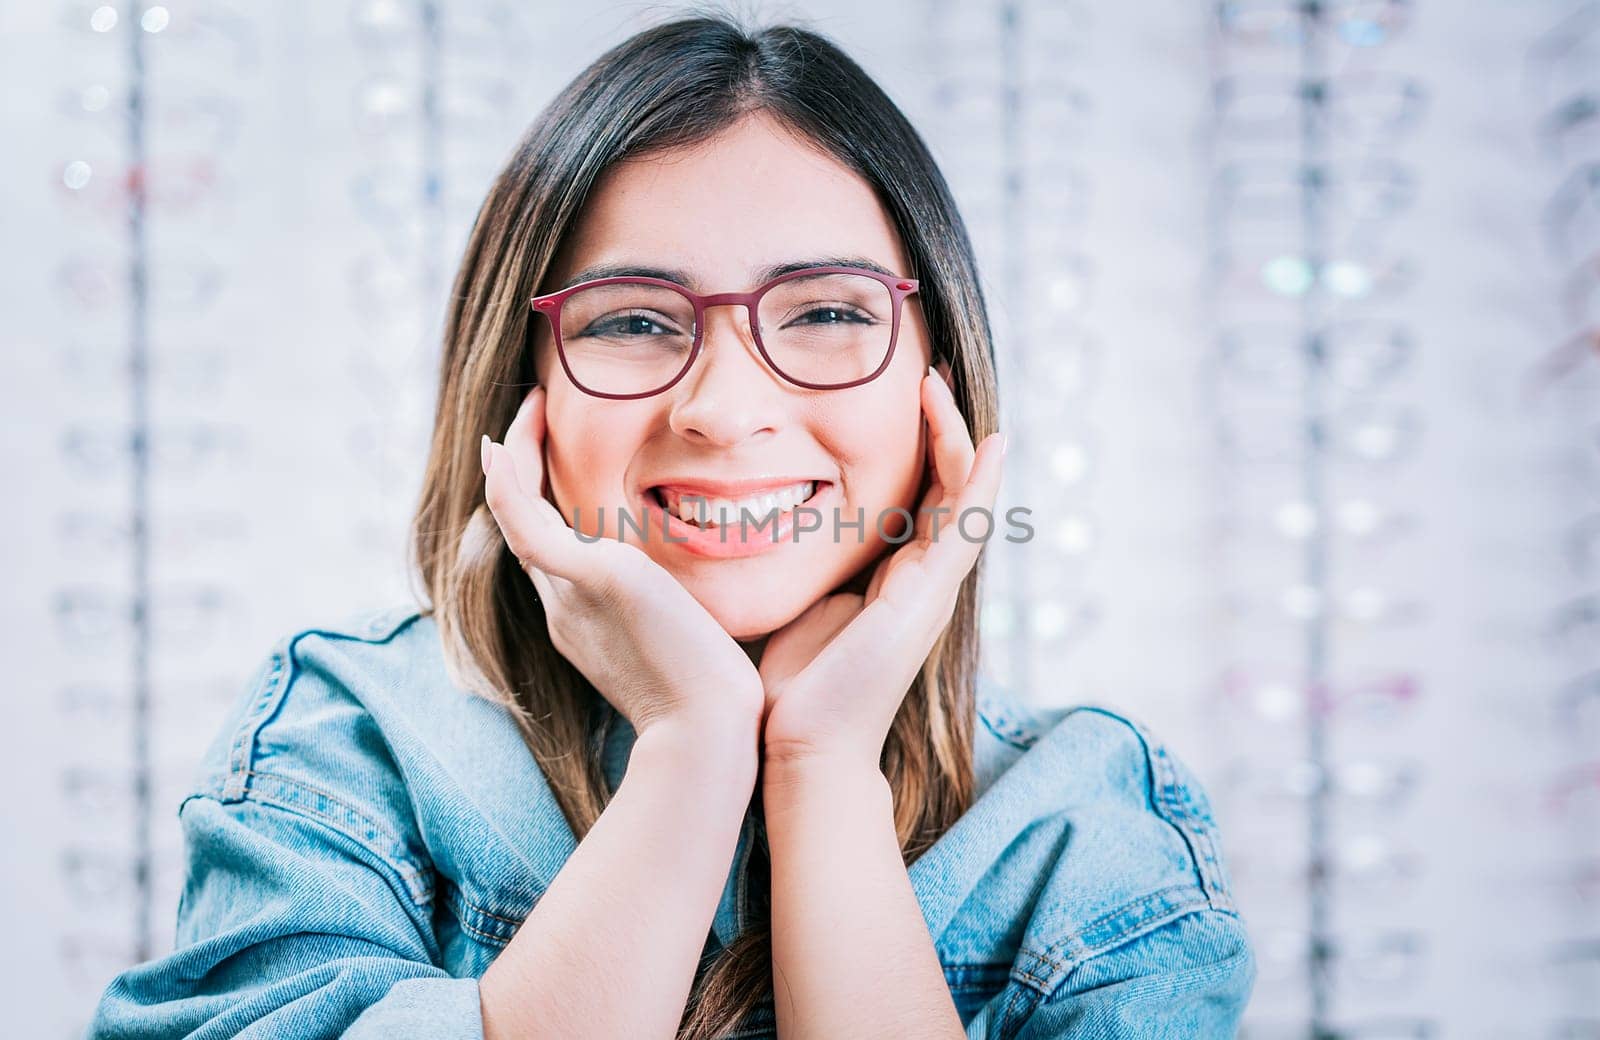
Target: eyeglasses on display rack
(1581, 546)
(101, 619)
(1289, 23)
(1277, 697)
(1573, 627)
(633, 336)
(1354, 520)
(1399, 1027)
(1051, 619)
(1058, 27)
(1563, 59)
(106, 449)
(176, 185)
(96, 286)
(1361, 865)
(1358, 108)
(1572, 216)
(1353, 611)
(89, 703)
(1357, 355)
(1372, 784)
(1572, 128)
(219, 30)
(1279, 189)
(106, 369)
(1263, 270)
(206, 123)
(390, 107)
(1572, 358)
(1275, 433)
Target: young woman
(700, 529)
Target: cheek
(879, 448)
(586, 453)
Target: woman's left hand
(836, 675)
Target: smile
(735, 527)
(706, 511)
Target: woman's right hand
(622, 619)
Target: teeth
(714, 512)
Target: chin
(746, 610)
(746, 620)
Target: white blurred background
(1298, 313)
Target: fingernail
(1002, 445)
(932, 371)
(487, 455)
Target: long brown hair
(669, 86)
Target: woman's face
(719, 212)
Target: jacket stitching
(276, 682)
(382, 862)
(1016, 1011)
(498, 940)
(463, 908)
(1195, 829)
(461, 919)
(1149, 912)
(413, 875)
(488, 913)
(1161, 786)
(243, 742)
(1015, 739)
(996, 721)
(280, 675)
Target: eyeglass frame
(549, 304)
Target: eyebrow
(688, 281)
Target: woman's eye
(833, 316)
(628, 325)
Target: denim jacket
(363, 838)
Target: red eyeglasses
(822, 328)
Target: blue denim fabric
(364, 838)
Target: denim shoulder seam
(1042, 971)
(276, 679)
(1161, 792)
(997, 721)
(1036, 990)
(310, 802)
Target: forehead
(727, 207)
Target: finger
(537, 538)
(952, 444)
(886, 643)
(910, 602)
(525, 440)
(541, 583)
(950, 558)
(880, 573)
(923, 532)
(932, 497)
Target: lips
(709, 505)
(735, 489)
(757, 535)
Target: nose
(729, 394)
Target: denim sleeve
(288, 929)
(1187, 980)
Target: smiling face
(721, 212)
